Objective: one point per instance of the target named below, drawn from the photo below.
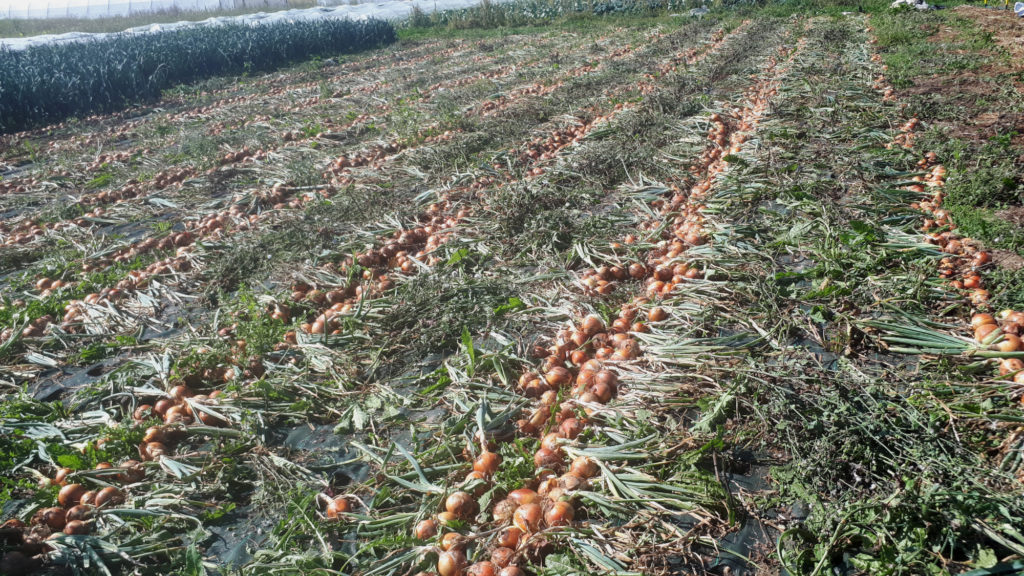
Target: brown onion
(560, 514)
(338, 506)
(461, 504)
(527, 517)
(487, 463)
(584, 467)
(451, 563)
(503, 510)
(509, 537)
(80, 512)
(545, 458)
(76, 527)
(1008, 365)
(109, 495)
(482, 569)
(55, 518)
(426, 529)
(453, 541)
(70, 495)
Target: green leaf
(193, 562)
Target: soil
(971, 87)
(1004, 26)
(1007, 259)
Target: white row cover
(107, 8)
(393, 10)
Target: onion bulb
(109, 495)
(426, 529)
(487, 463)
(1008, 365)
(545, 458)
(55, 518)
(453, 541)
(527, 517)
(509, 537)
(337, 507)
(503, 510)
(584, 467)
(560, 514)
(70, 495)
(1009, 343)
(502, 556)
(461, 504)
(78, 527)
(483, 569)
(451, 563)
(570, 428)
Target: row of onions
(576, 380)
(407, 249)
(212, 226)
(85, 495)
(966, 259)
(80, 506)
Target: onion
(338, 506)
(578, 357)
(461, 504)
(502, 556)
(88, 499)
(509, 537)
(142, 412)
(570, 428)
(1008, 365)
(608, 378)
(483, 569)
(80, 512)
(154, 450)
(70, 495)
(61, 476)
(592, 325)
(503, 510)
(545, 458)
(1009, 343)
(76, 527)
(560, 514)
(657, 314)
(511, 571)
(446, 518)
(558, 376)
(162, 406)
(180, 392)
(603, 392)
(984, 330)
(522, 496)
(487, 463)
(55, 518)
(527, 517)
(585, 377)
(109, 495)
(584, 467)
(453, 541)
(552, 442)
(177, 414)
(451, 563)
(426, 529)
